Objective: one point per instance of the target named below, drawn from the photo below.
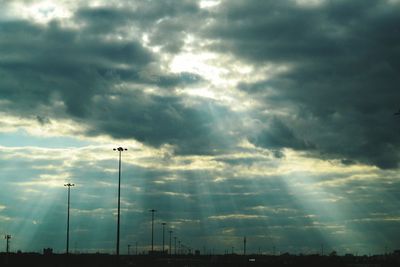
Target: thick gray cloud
(342, 83)
(100, 83)
(105, 69)
(157, 120)
(166, 23)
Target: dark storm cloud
(342, 85)
(157, 120)
(279, 135)
(43, 66)
(165, 22)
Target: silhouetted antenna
(119, 149)
(152, 229)
(7, 238)
(68, 200)
(170, 237)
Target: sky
(268, 119)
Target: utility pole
(136, 248)
(170, 236)
(152, 229)
(69, 194)
(119, 149)
(129, 251)
(163, 236)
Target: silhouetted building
(47, 251)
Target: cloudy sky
(266, 119)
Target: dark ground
(105, 260)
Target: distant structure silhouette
(397, 113)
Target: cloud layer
(269, 119)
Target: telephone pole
(69, 195)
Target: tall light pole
(7, 238)
(69, 195)
(119, 149)
(152, 229)
(170, 237)
(244, 246)
(163, 236)
(175, 244)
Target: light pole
(170, 237)
(69, 195)
(129, 249)
(152, 229)
(7, 238)
(119, 149)
(163, 236)
(244, 246)
(175, 244)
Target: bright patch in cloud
(43, 11)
